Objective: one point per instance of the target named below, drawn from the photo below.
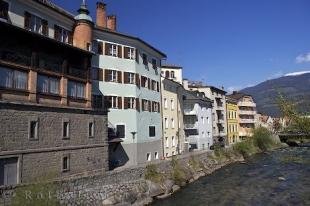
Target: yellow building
(232, 121)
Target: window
(165, 103)
(48, 85)
(154, 63)
(36, 24)
(112, 49)
(91, 129)
(120, 131)
(114, 102)
(148, 157)
(145, 105)
(173, 141)
(129, 53)
(13, 79)
(156, 155)
(112, 75)
(33, 130)
(166, 123)
(203, 120)
(154, 85)
(167, 74)
(76, 90)
(144, 82)
(172, 74)
(129, 103)
(62, 35)
(172, 123)
(152, 131)
(4, 10)
(8, 171)
(66, 163)
(172, 104)
(129, 78)
(167, 142)
(144, 57)
(155, 107)
(65, 130)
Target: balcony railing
(246, 104)
(190, 112)
(247, 121)
(16, 57)
(247, 112)
(191, 126)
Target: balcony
(191, 126)
(246, 104)
(247, 121)
(247, 112)
(190, 112)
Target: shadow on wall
(117, 155)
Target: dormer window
(4, 10)
(36, 24)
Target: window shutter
(27, 20)
(126, 78)
(137, 55)
(106, 75)
(138, 80)
(137, 104)
(153, 106)
(100, 48)
(119, 51)
(126, 100)
(158, 107)
(157, 86)
(126, 50)
(107, 48)
(119, 76)
(100, 74)
(44, 27)
(119, 102)
(149, 83)
(150, 106)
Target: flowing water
(281, 177)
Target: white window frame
(148, 156)
(113, 75)
(113, 50)
(131, 53)
(132, 78)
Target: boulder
(175, 188)
(110, 201)
(155, 189)
(168, 185)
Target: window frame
(36, 129)
(67, 157)
(49, 78)
(14, 79)
(75, 83)
(152, 127)
(112, 75)
(91, 129)
(121, 124)
(66, 129)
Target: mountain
(293, 86)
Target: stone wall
(128, 186)
(41, 158)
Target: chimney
(111, 22)
(101, 15)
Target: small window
(167, 142)
(172, 123)
(76, 90)
(13, 79)
(33, 130)
(173, 141)
(4, 10)
(165, 103)
(148, 157)
(65, 163)
(48, 85)
(166, 123)
(154, 63)
(91, 129)
(120, 131)
(65, 130)
(152, 131)
(156, 156)
(172, 104)
(172, 75)
(144, 57)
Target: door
(8, 171)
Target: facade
(265, 121)
(172, 112)
(46, 108)
(218, 98)
(172, 72)
(232, 112)
(197, 120)
(126, 70)
(247, 114)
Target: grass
(152, 174)
(177, 173)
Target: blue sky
(230, 43)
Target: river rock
(281, 178)
(109, 201)
(175, 188)
(168, 185)
(155, 189)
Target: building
(232, 112)
(172, 72)
(218, 98)
(197, 120)
(126, 70)
(265, 121)
(46, 113)
(172, 112)
(247, 114)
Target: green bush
(263, 139)
(178, 173)
(152, 174)
(194, 164)
(245, 148)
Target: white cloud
(302, 58)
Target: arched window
(167, 74)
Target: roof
(238, 95)
(55, 7)
(231, 100)
(200, 85)
(197, 95)
(130, 37)
(171, 66)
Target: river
(280, 177)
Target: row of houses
(78, 97)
